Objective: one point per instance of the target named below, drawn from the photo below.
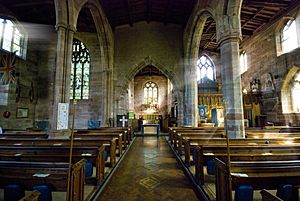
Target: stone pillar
(62, 69)
(190, 95)
(231, 86)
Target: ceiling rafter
(149, 10)
(127, 5)
(167, 12)
(32, 3)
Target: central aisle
(149, 171)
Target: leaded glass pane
(205, 68)
(150, 93)
(289, 36)
(80, 75)
(1, 28)
(8, 34)
(145, 95)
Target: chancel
(149, 100)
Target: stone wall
(150, 41)
(263, 63)
(92, 108)
(28, 70)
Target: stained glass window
(205, 69)
(150, 93)
(289, 37)
(80, 71)
(12, 38)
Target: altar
(150, 125)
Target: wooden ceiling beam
(167, 12)
(127, 5)
(149, 9)
(32, 3)
(255, 14)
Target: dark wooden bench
(259, 174)
(267, 196)
(95, 155)
(191, 143)
(55, 175)
(126, 130)
(178, 142)
(272, 135)
(32, 196)
(120, 140)
(24, 135)
(107, 142)
(198, 130)
(244, 153)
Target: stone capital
(65, 26)
(228, 38)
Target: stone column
(231, 86)
(62, 69)
(190, 95)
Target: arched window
(150, 93)
(295, 93)
(205, 69)
(80, 71)
(12, 38)
(243, 62)
(289, 37)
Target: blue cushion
(46, 194)
(88, 169)
(285, 192)
(211, 167)
(244, 193)
(194, 155)
(13, 192)
(106, 155)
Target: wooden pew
(174, 131)
(25, 173)
(95, 155)
(272, 135)
(258, 174)
(191, 143)
(178, 142)
(24, 135)
(244, 153)
(33, 196)
(108, 142)
(120, 140)
(267, 196)
(126, 130)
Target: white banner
(63, 116)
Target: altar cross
(123, 120)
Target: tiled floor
(149, 171)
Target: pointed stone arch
(286, 90)
(150, 61)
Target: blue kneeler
(46, 194)
(13, 192)
(211, 170)
(106, 155)
(88, 169)
(244, 193)
(285, 192)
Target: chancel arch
(150, 70)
